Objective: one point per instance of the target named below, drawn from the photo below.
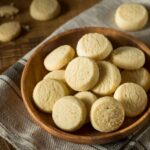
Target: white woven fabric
(18, 128)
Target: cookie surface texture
(47, 92)
(9, 31)
(133, 98)
(109, 78)
(129, 58)
(56, 74)
(44, 9)
(7, 11)
(88, 98)
(94, 45)
(82, 74)
(69, 113)
(107, 114)
(131, 16)
(140, 76)
(59, 57)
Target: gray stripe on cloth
(135, 135)
(144, 147)
(11, 83)
(116, 145)
(141, 135)
(135, 145)
(18, 128)
(23, 62)
(2, 79)
(14, 73)
(145, 139)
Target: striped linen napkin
(18, 128)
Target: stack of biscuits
(94, 83)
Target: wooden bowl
(34, 71)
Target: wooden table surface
(10, 52)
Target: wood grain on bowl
(34, 71)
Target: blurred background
(35, 31)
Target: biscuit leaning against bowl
(69, 113)
(127, 57)
(133, 98)
(109, 78)
(88, 98)
(131, 16)
(44, 9)
(140, 76)
(47, 92)
(9, 31)
(94, 45)
(107, 114)
(82, 73)
(59, 57)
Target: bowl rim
(70, 136)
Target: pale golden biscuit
(44, 9)
(131, 16)
(59, 57)
(9, 31)
(69, 113)
(47, 92)
(140, 76)
(94, 45)
(7, 11)
(107, 114)
(56, 74)
(127, 57)
(88, 98)
(82, 74)
(109, 78)
(133, 98)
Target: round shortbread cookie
(131, 16)
(109, 78)
(44, 9)
(47, 92)
(107, 114)
(82, 74)
(9, 31)
(133, 98)
(88, 98)
(59, 57)
(140, 76)
(56, 74)
(69, 113)
(7, 11)
(127, 57)
(94, 45)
